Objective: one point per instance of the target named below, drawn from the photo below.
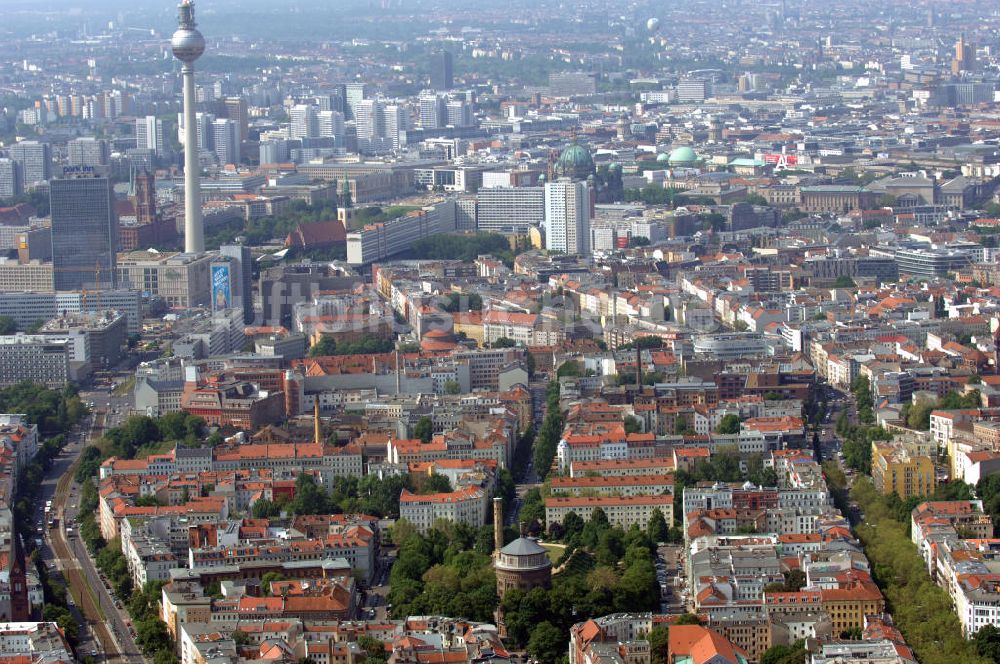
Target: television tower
(188, 45)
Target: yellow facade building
(469, 323)
(896, 469)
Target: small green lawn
(161, 447)
(555, 551)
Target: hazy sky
(253, 19)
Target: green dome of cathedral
(683, 155)
(575, 162)
(576, 156)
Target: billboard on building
(782, 161)
(222, 290)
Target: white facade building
(467, 505)
(149, 134)
(567, 217)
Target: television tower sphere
(187, 43)
(653, 24)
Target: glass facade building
(84, 233)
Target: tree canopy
(921, 609)
(463, 247)
(424, 429)
(367, 346)
(729, 424)
(448, 571)
(605, 570)
(918, 415)
(844, 281)
(54, 411)
(369, 494)
(547, 439)
(260, 230)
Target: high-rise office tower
(76, 105)
(510, 209)
(145, 197)
(567, 216)
(188, 45)
(241, 277)
(369, 119)
(394, 124)
(330, 125)
(236, 110)
(965, 56)
(207, 93)
(84, 232)
(354, 93)
(274, 152)
(693, 89)
(303, 122)
(116, 103)
(35, 159)
(62, 106)
(441, 71)
(226, 141)
(433, 111)
(334, 100)
(10, 179)
(87, 151)
(202, 133)
(149, 134)
(459, 113)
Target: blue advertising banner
(222, 292)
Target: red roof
(317, 234)
(702, 645)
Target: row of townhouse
(622, 511)
(327, 461)
(358, 545)
(467, 505)
(20, 587)
(957, 543)
(617, 485)
(413, 640)
(742, 541)
(491, 438)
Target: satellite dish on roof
(653, 24)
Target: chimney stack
(317, 429)
(638, 366)
(398, 375)
(497, 525)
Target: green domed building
(575, 163)
(682, 156)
